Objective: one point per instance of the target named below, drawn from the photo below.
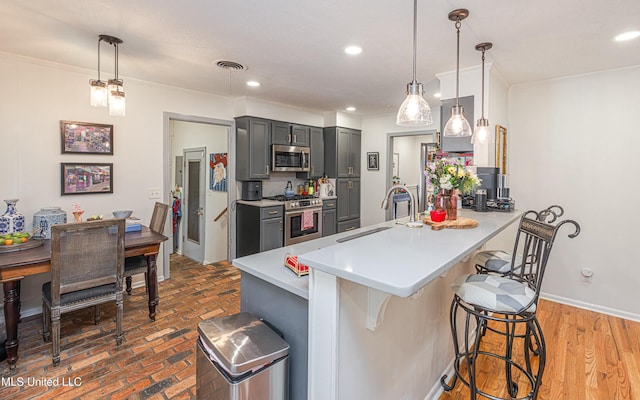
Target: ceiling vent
(230, 65)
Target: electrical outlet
(586, 274)
(154, 193)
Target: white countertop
(261, 203)
(402, 260)
(398, 261)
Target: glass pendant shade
(98, 93)
(117, 104)
(115, 86)
(457, 124)
(482, 134)
(414, 110)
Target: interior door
(193, 209)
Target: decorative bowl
(122, 213)
(438, 215)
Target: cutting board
(460, 223)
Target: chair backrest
(86, 255)
(159, 217)
(532, 248)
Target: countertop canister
(11, 221)
(47, 216)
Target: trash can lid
(241, 342)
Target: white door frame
(231, 175)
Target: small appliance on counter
(251, 190)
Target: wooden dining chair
(138, 264)
(87, 264)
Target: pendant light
(414, 110)
(457, 124)
(111, 93)
(482, 134)
(98, 87)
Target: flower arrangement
(444, 174)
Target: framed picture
(218, 171)
(86, 178)
(372, 161)
(86, 137)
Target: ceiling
(295, 48)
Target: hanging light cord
(483, 83)
(116, 46)
(99, 40)
(458, 61)
(415, 23)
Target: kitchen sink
(365, 233)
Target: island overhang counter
(378, 324)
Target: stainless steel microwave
(289, 158)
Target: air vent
(226, 64)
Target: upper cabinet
(252, 148)
(456, 144)
(316, 162)
(342, 152)
(289, 134)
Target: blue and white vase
(45, 218)
(11, 221)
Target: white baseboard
(591, 307)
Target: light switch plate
(154, 193)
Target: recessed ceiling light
(627, 36)
(253, 83)
(353, 50)
(437, 95)
(350, 108)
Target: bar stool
(510, 300)
(499, 261)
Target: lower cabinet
(258, 229)
(329, 217)
(348, 225)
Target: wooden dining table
(16, 265)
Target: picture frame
(86, 178)
(373, 161)
(86, 138)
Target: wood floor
(590, 355)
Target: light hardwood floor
(589, 356)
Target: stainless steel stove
(294, 210)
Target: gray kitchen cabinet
(342, 152)
(316, 145)
(348, 193)
(253, 157)
(348, 225)
(300, 135)
(289, 134)
(280, 133)
(329, 217)
(258, 228)
(456, 144)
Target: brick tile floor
(156, 360)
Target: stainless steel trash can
(238, 357)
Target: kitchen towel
(307, 219)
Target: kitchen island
(378, 300)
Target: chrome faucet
(412, 201)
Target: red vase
(443, 199)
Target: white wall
(188, 135)
(574, 141)
(374, 183)
(37, 95)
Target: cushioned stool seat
(496, 261)
(497, 293)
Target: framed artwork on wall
(86, 178)
(86, 137)
(218, 172)
(372, 161)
